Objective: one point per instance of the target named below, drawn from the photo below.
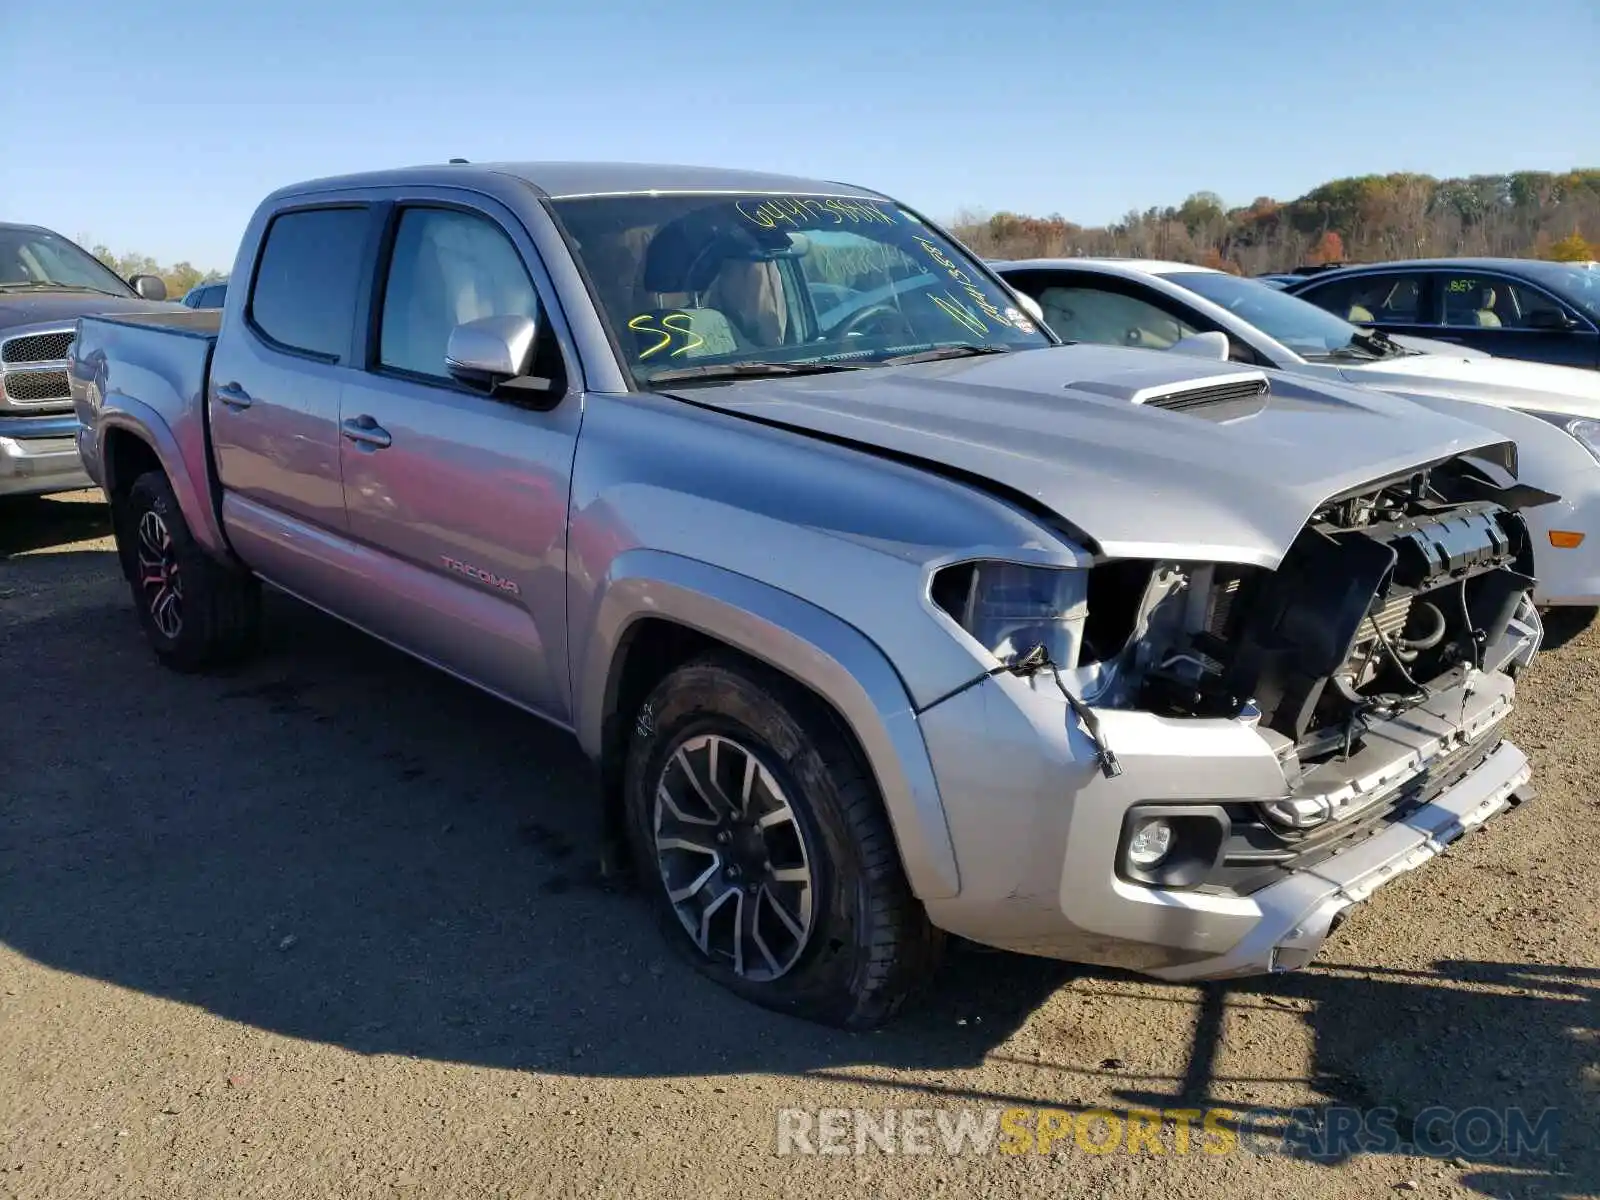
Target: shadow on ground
(39, 522)
(1562, 625)
(338, 844)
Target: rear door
(461, 498)
(281, 359)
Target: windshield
(39, 258)
(717, 285)
(1579, 286)
(1309, 331)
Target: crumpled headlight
(1584, 430)
(1012, 607)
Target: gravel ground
(330, 927)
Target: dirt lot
(330, 928)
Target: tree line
(1526, 214)
(1367, 218)
(178, 278)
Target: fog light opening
(1151, 842)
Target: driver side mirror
(1552, 319)
(1031, 306)
(496, 353)
(149, 287)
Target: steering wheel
(872, 312)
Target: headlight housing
(1583, 430)
(1011, 607)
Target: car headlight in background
(1583, 430)
(1012, 607)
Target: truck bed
(194, 322)
(149, 371)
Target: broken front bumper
(1038, 831)
(1297, 915)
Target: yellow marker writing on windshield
(686, 330)
(960, 314)
(641, 324)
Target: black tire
(870, 944)
(218, 612)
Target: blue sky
(157, 127)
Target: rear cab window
(303, 296)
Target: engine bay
(1387, 596)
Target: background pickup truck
(883, 614)
(46, 283)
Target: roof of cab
(1141, 266)
(567, 180)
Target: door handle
(233, 395)
(365, 431)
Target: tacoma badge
(482, 576)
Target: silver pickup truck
(883, 614)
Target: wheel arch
(657, 610)
(131, 443)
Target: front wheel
(196, 612)
(767, 850)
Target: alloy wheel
(159, 577)
(733, 857)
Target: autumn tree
(1363, 218)
(179, 279)
(1572, 248)
(1329, 248)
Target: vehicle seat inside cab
(709, 296)
(1471, 304)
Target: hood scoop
(1242, 394)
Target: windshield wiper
(53, 286)
(1380, 343)
(750, 370)
(960, 350)
(1357, 352)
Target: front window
(1578, 286)
(733, 284)
(39, 259)
(1091, 314)
(1309, 331)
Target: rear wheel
(196, 612)
(766, 848)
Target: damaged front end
(1375, 660)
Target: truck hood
(1506, 382)
(1066, 430)
(42, 308)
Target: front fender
(810, 645)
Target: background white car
(1553, 413)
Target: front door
(1513, 319)
(460, 498)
